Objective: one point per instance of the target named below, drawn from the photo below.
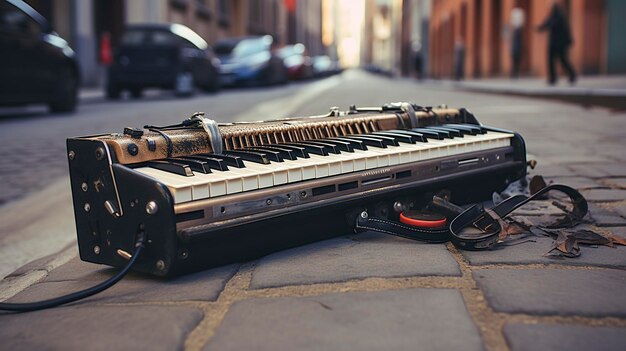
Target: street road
(35, 212)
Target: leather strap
(476, 228)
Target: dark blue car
(249, 61)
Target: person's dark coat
(560, 37)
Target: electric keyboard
(207, 194)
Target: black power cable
(62, 300)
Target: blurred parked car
(36, 65)
(324, 66)
(299, 65)
(167, 56)
(249, 60)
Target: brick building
(483, 27)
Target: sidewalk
(608, 91)
(90, 94)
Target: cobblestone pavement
(371, 291)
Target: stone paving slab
(615, 182)
(39, 264)
(538, 208)
(429, 319)
(604, 195)
(552, 154)
(599, 170)
(604, 217)
(551, 170)
(534, 252)
(621, 231)
(355, 257)
(99, 328)
(613, 169)
(77, 275)
(594, 293)
(620, 208)
(531, 337)
(575, 182)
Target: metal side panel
(112, 204)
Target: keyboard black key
(251, 156)
(299, 151)
(473, 130)
(341, 144)
(356, 144)
(417, 137)
(271, 154)
(453, 132)
(286, 154)
(463, 131)
(399, 137)
(429, 133)
(172, 167)
(386, 139)
(310, 148)
(331, 148)
(369, 141)
(195, 165)
(444, 133)
(214, 161)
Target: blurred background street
(102, 65)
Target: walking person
(459, 59)
(417, 59)
(517, 25)
(559, 42)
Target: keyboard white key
(258, 176)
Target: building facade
(483, 29)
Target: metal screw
(152, 207)
(71, 155)
(364, 215)
(87, 207)
(160, 265)
(268, 201)
(398, 206)
(99, 153)
(96, 250)
(84, 186)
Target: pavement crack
(325, 306)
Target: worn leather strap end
(474, 229)
(431, 235)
